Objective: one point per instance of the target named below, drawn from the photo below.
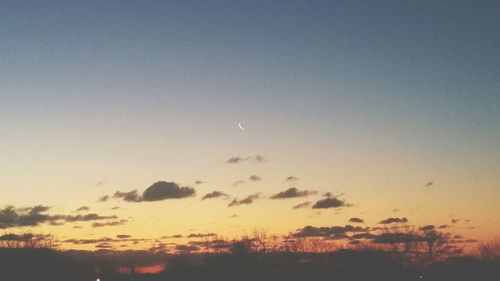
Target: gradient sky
(369, 101)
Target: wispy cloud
(254, 178)
(394, 220)
(292, 193)
(240, 159)
(302, 205)
(215, 194)
(247, 200)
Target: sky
(390, 107)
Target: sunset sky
(393, 108)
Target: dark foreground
(44, 264)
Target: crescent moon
(241, 127)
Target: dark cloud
(16, 237)
(455, 220)
(87, 217)
(115, 208)
(248, 200)
(158, 191)
(34, 216)
(356, 220)
(123, 236)
(215, 194)
(167, 190)
(302, 205)
(393, 220)
(201, 235)
(430, 183)
(83, 208)
(198, 182)
(239, 159)
(111, 223)
(104, 246)
(88, 241)
(331, 232)
(443, 226)
(131, 196)
(393, 238)
(175, 236)
(186, 248)
(329, 202)
(292, 179)
(254, 178)
(428, 227)
(395, 210)
(292, 193)
(103, 198)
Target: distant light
(98, 279)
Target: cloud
(254, 178)
(429, 184)
(16, 237)
(87, 217)
(103, 198)
(82, 208)
(292, 179)
(175, 236)
(215, 194)
(455, 220)
(158, 191)
(184, 249)
(131, 196)
(302, 205)
(201, 235)
(356, 220)
(239, 159)
(34, 216)
(331, 232)
(167, 190)
(111, 223)
(392, 238)
(248, 200)
(330, 202)
(292, 193)
(198, 182)
(393, 220)
(428, 228)
(123, 236)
